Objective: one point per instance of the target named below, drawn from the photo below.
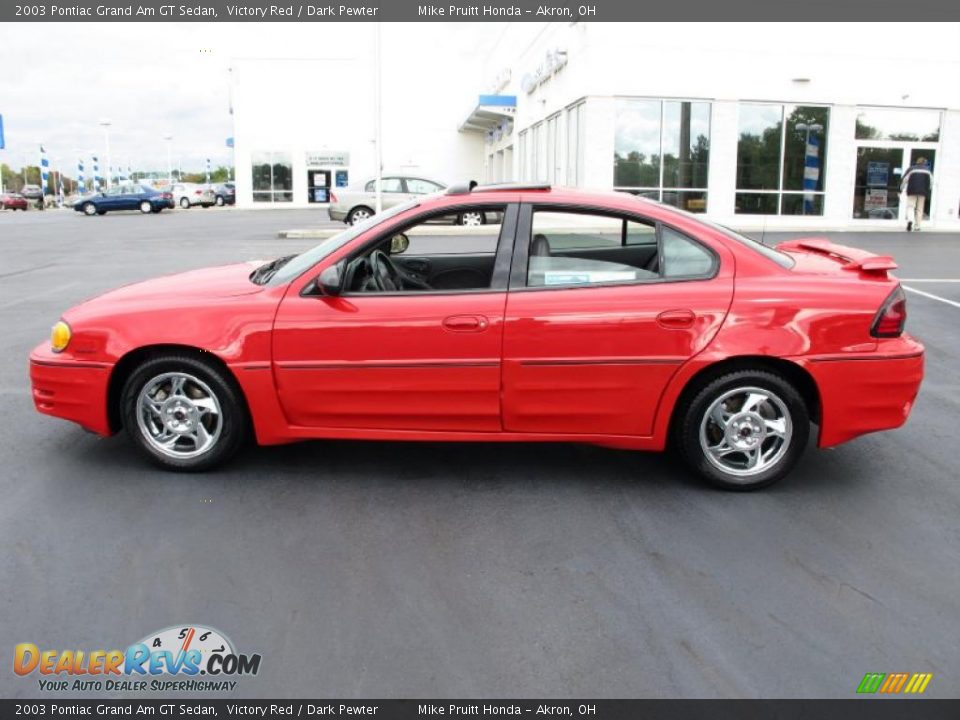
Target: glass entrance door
(876, 193)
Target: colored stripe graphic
(894, 683)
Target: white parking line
(932, 296)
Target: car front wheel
(146, 207)
(184, 203)
(183, 413)
(744, 430)
(89, 209)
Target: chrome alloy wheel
(745, 431)
(179, 415)
(471, 219)
(359, 215)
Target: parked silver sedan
(188, 194)
(355, 204)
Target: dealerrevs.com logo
(179, 658)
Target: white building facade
(778, 126)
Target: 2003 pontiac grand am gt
(578, 317)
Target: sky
(149, 80)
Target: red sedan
(13, 201)
(577, 317)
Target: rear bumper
(867, 393)
(70, 389)
(338, 215)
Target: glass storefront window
(897, 124)
(575, 145)
(661, 149)
(782, 150)
(272, 176)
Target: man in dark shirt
(916, 183)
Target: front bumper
(867, 393)
(70, 389)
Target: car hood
(191, 287)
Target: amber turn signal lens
(60, 336)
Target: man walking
(916, 183)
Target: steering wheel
(385, 274)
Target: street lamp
(169, 139)
(105, 124)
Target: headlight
(60, 336)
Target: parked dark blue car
(125, 197)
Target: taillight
(333, 198)
(198, 192)
(892, 316)
(167, 196)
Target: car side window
(682, 257)
(455, 251)
(419, 186)
(569, 248)
(584, 248)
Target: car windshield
(301, 263)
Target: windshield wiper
(262, 274)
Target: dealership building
(779, 126)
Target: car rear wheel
(472, 219)
(219, 201)
(89, 209)
(744, 430)
(359, 214)
(184, 203)
(183, 413)
(146, 207)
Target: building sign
(548, 67)
(875, 199)
(327, 157)
(877, 174)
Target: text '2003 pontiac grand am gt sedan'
(577, 317)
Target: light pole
(377, 135)
(169, 139)
(105, 124)
(808, 128)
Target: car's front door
(416, 359)
(602, 311)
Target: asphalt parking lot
(419, 570)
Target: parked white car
(187, 194)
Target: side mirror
(399, 244)
(331, 280)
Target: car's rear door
(420, 360)
(591, 338)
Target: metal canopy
(489, 113)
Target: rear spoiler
(852, 258)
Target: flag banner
(81, 184)
(44, 171)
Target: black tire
(235, 423)
(352, 218)
(89, 209)
(146, 207)
(184, 203)
(693, 419)
(220, 201)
